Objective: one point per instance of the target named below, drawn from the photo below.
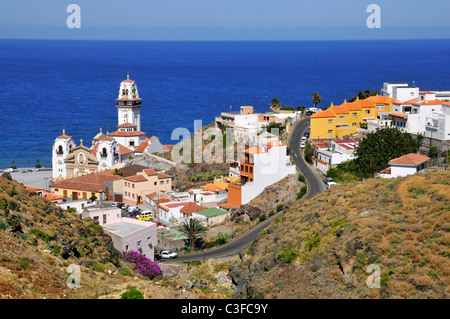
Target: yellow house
(340, 120)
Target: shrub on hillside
(143, 264)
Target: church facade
(106, 150)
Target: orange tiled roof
(351, 106)
(411, 159)
(339, 109)
(327, 113)
(254, 150)
(33, 189)
(275, 143)
(365, 103)
(212, 187)
(426, 92)
(398, 114)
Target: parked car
(302, 144)
(159, 224)
(330, 182)
(133, 209)
(168, 254)
(8, 170)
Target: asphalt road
(315, 183)
(315, 186)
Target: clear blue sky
(225, 19)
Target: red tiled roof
(191, 208)
(91, 182)
(130, 133)
(136, 178)
(411, 159)
(162, 176)
(124, 150)
(127, 124)
(150, 171)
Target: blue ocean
(48, 85)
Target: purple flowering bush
(143, 264)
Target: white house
(405, 165)
(339, 152)
(126, 233)
(258, 168)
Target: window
(330, 121)
(155, 183)
(104, 218)
(330, 131)
(251, 169)
(126, 248)
(354, 114)
(132, 195)
(132, 185)
(341, 118)
(96, 218)
(367, 111)
(353, 124)
(380, 107)
(167, 181)
(161, 182)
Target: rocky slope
(39, 241)
(321, 248)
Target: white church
(108, 149)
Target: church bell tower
(129, 103)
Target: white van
(145, 215)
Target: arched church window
(60, 150)
(104, 153)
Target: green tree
(300, 108)
(37, 165)
(316, 98)
(433, 152)
(193, 228)
(364, 95)
(379, 147)
(308, 152)
(275, 104)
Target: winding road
(315, 186)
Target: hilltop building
(108, 149)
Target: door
(65, 193)
(74, 195)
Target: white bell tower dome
(129, 103)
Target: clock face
(81, 158)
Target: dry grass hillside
(322, 247)
(39, 241)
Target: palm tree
(192, 228)
(316, 98)
(275, 104)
